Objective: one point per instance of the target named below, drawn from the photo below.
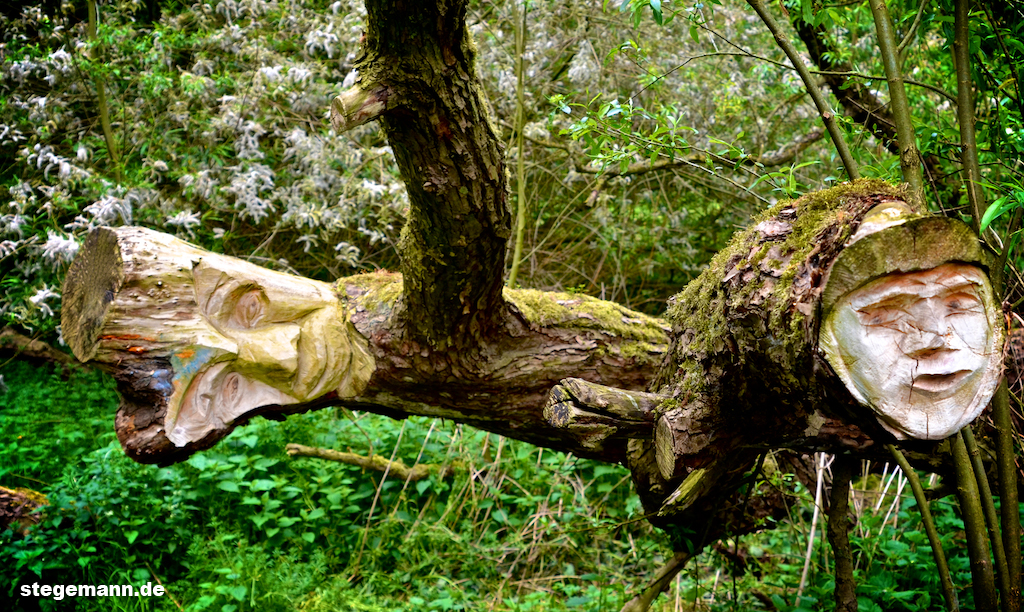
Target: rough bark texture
(744, 374)
(439, 125)
(131, 304)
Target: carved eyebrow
(895, 293)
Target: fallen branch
(661, 582)
(23, 346)
(376, 463)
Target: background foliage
(652, 131)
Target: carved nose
(925, 343)
(927, 337)
(272, 350)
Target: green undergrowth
(517, 528)
(244, 527)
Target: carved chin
(938, 411)
(215, 398)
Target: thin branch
(827, 116)
(661, 582)
(839, 533)
(901, 50)
(101, 101)
(974, 524)
(376, 463)
(965, 111)
(948, 592)
(519, 15)
(910, 159)
(1009, 506)
(989, 508)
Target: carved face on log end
(921, 348)
(269, 339)
(200, 341)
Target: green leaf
(996, 210)
(228, 485)
(309, 536)
(262, 484)
(131, 535)
(238, 592)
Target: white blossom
(39, 300)
(187, 220)
(59, 248)
(584, 68)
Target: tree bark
(417, 77)
(134, 302)
(745, 373)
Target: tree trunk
(745, 371)
(176, 324)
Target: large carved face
(263, 338)
(921, 348)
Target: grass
(517, 528)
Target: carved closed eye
(963, 303)
(248, 310)
(884, 317)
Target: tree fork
(417, 76)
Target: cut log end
(596, 413)
(93, 280)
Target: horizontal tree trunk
(175, 323)
(746, 374)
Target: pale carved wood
(200, 342)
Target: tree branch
(376, 463)
(910, 159)
(23, 346)
(827, 117)
(965, 111)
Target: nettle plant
(209, 124)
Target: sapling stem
(839, 533)
(519, 15)
(989, 508)
(910, 160)
(948, 592)
(827, 115)
(101, 102)
(974, 525)
(1009, 507)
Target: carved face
(921, 349)
(266, 338)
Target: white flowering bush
(219, 132)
